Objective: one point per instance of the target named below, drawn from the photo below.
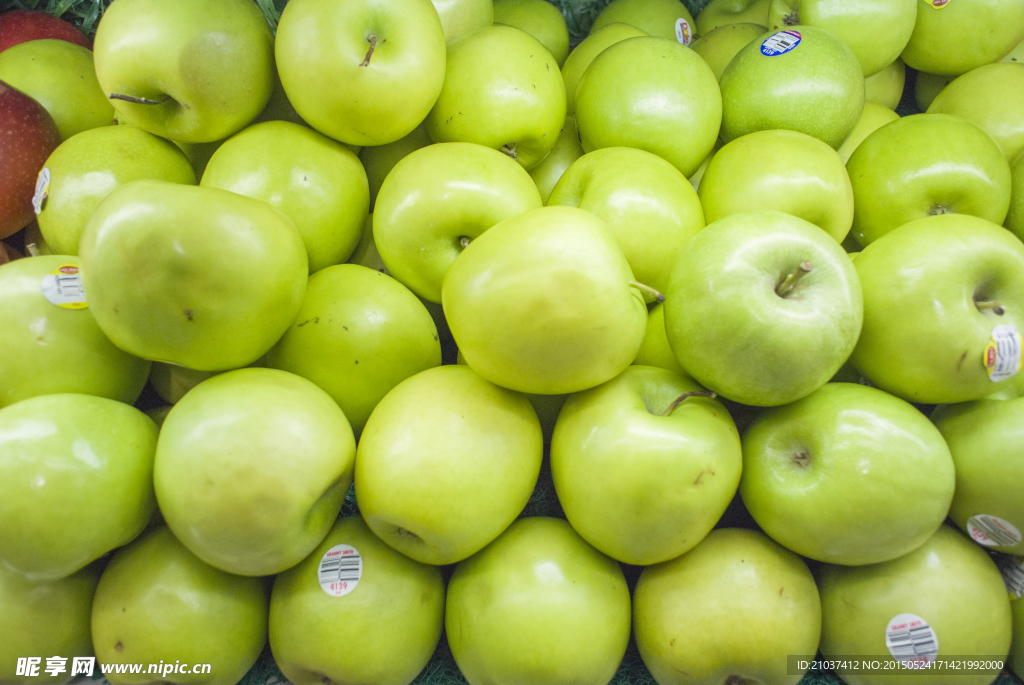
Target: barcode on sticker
(684, 33)
(1012, 569)
(1004, 353)
(909, 638)
(340, 570)
(63, 287)
(780, 43)
(992, 531)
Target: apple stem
(693, 393)
(791, 280)
(464, 241)
(369, 53)
(658, 297)
(791, 19)
(32, 249)
(139, 101)
(510, 150)
(995, 305)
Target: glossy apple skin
(724, 12)
(874, 117)
(31, 136)
(784, 171)
(641, 92)
(1015, 217)
(383, 631)
(86, 168)
(983, 32)
(47, 349)
(252, 468)
(542, 303)
(923, 165)
(502, 89)
(653, 17)
(816, 88)
(649, 207)
(540, 19)
(727, 608)
(718, 47)
(21, 26)
(848, 475)
(316, 182)
(735, 335)
(655, 350)
(198, 284)
(215, 62)
(443, 515)
(45, 617)
(949, 582)
(56, 453)
(583, 54)
(539, 605)
(60, 76)
(358, 334)
(992, 98)
(435, 196)
(886, 87)
(459, 17)
(379, 160)
(156, 601)
(551, 169)
(921, 283)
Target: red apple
(21, 26)
(27, 137)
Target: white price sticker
(992, 531)
(911, 641)
(340, 570)
(1012, 569)
(1003, 355)
(63, 287)
(684, 32)
(42, 190)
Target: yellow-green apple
(358, 334)
(724, 12)
(645, 464)
(662, 18)
(459, 17)
(199, 154)
(45, 617)
(566, 151)
(727, 611)
(946, 598)
(171, 381)
(655, 350)
(649, 207)
(874, 117)
(157, 602)
(540, 606)
(366, 253)
(643, 92)
(886, 87)
(992, 98)
(20, 26)
(718, 47)
(697, 175)
(316, 182)
(925, 165)
(983, 32)
(379, 160)
(216, 277)
(76, 481)
(540, 19)
(780, 170)
(60, 76)
(439, 198)
(31, 135)
(385, 61)
(443, 515)
(49, 340)
(800, 79)
(85, 169)
(190, 70)
(955, 281)
(1016, 54)
(252, 468)
(763, 308)
(927, 87)
(355, 611)
(502, 89)
(1015, 217)
(545, 303)
(847, 475)
(583, 54)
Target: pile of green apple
(686, 266)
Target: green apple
(366, 253)
(156, 602)
(86, 168)
(379, 160)
(252, 468)
(358, 334)
(649, 207)
(986, 439)
(925, 165)
(874, 117)
(438, 198)
(355, 611)
(886, 87)
(216, 277)
(48, 345)
(951, 38)
(1015, 217)
(566, 151)
(189, 70)
(645, 464)
(992, 98)
(927, 87)
(41, 618)
(364, 76)
(502, 89)
(545, 303)
(159, 415)
(199, 154)
(459, 17)
(316, 182)
(696, 176)
(1017, 649)
(539, 606)
(718, 47)
(420, 482)
(655, 350)
(764, 308)
(780, 170)
(847, 475)
(662, 18)
(946, 598)
(728, 611)
(724, 12)
(943, 309)
(800, 79)
(76, 481)
(643, 92)
(60, 76)
(1016, 54)
(171, 381)
(540, 19)
(583, 54)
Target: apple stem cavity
(686, 395)
(938, 209)
(464, 241)
(995, 305)
(32, 249)
(139, 101)
(787, 285)
(510, 150)
(658, 297)
(372, 40)
(792, 19)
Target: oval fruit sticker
(937, 4)
(992, 531)
(340, 570)
(63, 287)
(780, 43)
(684, 33)
(911, 641)
(1004, 354)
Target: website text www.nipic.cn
(35, 666)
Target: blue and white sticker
(780, 43)
(684, 32)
